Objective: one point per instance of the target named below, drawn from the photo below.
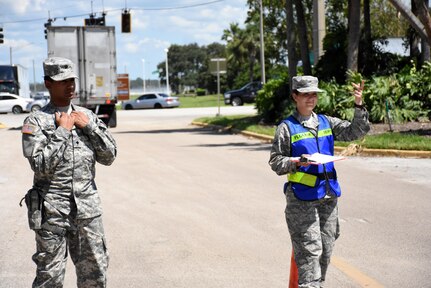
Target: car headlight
(227, 95)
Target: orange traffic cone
(293, 279)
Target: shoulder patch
(28, 129)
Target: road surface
(185, 206)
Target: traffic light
(126, 24)
(47, 24)
(93, 21)
(1, 35)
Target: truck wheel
(113, 119)
(16, 110)
(128, 107)
(236, 101)
(35, 108)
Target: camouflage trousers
(313, 228)
(83, 239)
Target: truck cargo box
(92, 49)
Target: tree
(243, 47)
(422, 26)
(303, 37)
(291, 41)
(354, 34)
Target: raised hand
(357, 92)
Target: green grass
(395, 140)
(398, 141)
(195, 101)
(201, 101)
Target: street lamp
(167, 72)
(143, 74)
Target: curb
(362, 152)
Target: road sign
(123, 87)
(218, 65)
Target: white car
(151, 100)
(13, 103)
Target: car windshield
(164, 95)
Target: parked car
(151, 100)
(247, 94)
(13, 103)
(38, 102)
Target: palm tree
(242, 46)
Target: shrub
(200, 92)
(273, 102)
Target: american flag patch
(28, 129)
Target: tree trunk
(302, 35)
(413, 20)
(354, 34)
(414, 38)
(291, 43)
(367, 36)
(422, 12)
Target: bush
(200, 92)
(403, 96)
(273, 102)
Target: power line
(113, 10)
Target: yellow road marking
(355, 274)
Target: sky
(156, 24)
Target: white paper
(317, 158)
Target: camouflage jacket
(64, 161)
(341, 129)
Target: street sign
(218, 65)
(123, 90)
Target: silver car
(151, 100)
(38, 102)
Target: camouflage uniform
(313, 225)
(63, 162)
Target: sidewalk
(352, 149)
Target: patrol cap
(58, 68)
(305, 84)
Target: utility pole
(262, 45)
(319, 29)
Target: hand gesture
(81, 119)
(64, 120)
(358, 88)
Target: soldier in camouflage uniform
(62, 143)
(312, 210)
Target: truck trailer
(92, 49)
(14, 80)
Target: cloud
(21, 7)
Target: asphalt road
(185, 206)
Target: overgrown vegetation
(400, 97)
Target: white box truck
(14, 79)
(92, 49)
